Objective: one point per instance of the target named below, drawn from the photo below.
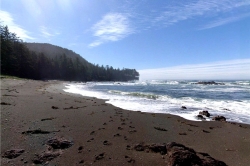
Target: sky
(163, 39)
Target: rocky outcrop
(47, 156)
(205, 113)
(178, 154)
(13, 153)
(59, 143)
(219, 118)
(209, 83)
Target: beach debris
(3, 103)
(205, 131)
(45, 157)
(183, 107)
(59, 143)
(219, 118)
(160, 129)
(13, 153)
(37, 131)
(48, 119)
(205, 113)
(54, 107)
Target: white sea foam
(234, 110)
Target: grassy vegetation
(10, 77)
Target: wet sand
(33, 112)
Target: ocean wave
(136, 94)
(168, 97)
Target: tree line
(18, 60)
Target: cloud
(45, 32)
(233, 69)
(33, 8)
(8, 20)
(224, 21)
(112, 27)
(206, 8)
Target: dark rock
(183, 107)
(209, 83)
(3, 103)
(201, 117)
(43, 158)
(13, 153)
(139, 147)
(178, 154)
(54, 107)
(158, 148)
(219, 118)
(37, 131)
(59, 143)
(205, 113)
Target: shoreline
(193, 110)
(96, 128)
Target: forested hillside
(45, 61)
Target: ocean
(231, 100)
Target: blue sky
(163, 39)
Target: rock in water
(205, 113)
(219, 118)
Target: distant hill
(42, 61)
(51, 51)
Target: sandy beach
(36, 114)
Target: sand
(33, 112)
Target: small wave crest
(136, 94)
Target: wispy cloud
(112, 27)
(224, 21)
(206, 8)
(8, 20)
(234, 69)
(48, 33)
(33, 8)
